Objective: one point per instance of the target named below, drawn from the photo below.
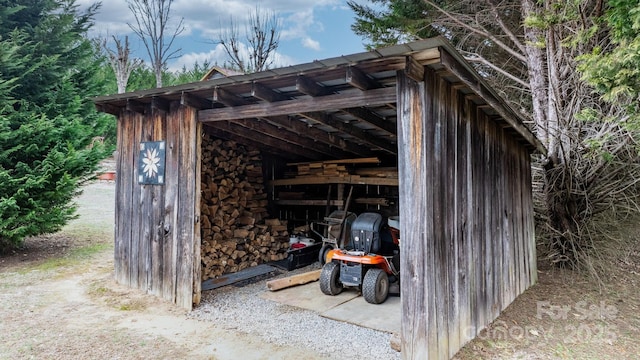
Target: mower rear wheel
(330, 279)
(375, 286)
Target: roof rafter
(345, 99)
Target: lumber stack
(379, 172)
(322, 169)
(330, 168)
(235, 231)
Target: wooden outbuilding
(463, 175)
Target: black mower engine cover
(365, 233)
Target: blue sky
(310, 30)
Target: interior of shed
(280, 155)
(262, 207)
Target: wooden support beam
(372, 118)
(294, 280)
(263, 127)
(360, 134)
(413, 69)
(368, 160)
(330, 139)
(345, 99)
(159, 103)
(109, 109)
(308, 86)
(283, 146)
(316, 180)
(249, 141)
(136, 106)
(357, 78)
(267, 94)
(194, 101)
(321, 202)
(227, 98)
(373, 201)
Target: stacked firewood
(235, 231)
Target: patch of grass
(133, 305)
(74, 257)
(89, 232)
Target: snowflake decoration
(151, 165)
(150, 160)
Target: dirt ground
(59, 301)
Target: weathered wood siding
(467, 242)
(157, 234)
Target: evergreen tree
(47, 120)
(389, 22)
(615, 71)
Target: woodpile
(236, 233)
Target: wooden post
(418, 301)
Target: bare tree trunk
(152, 23)
(536, 66)
(120, 62)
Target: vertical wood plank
(464, 212)
(412, 175)
(123, 195)
(496, 217)
(436, 152)
(145, 205)
(157, 211)
(452, 225)
(508, 227)
(197, 236)
(430, 219)
(488, 216)
(520, 254)
(528, 218)
(476, 268)
(136, 225)
(186, 208)
(170, 239)
(480, 258)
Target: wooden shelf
(339, 203)
(353, 179)
(292, 202)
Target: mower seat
(365, 233)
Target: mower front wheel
(375, 286)
(330, 279)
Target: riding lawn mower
(369, 261)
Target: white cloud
(309, 43)
(219, 56)
(215, 56)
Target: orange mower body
(369, 262)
